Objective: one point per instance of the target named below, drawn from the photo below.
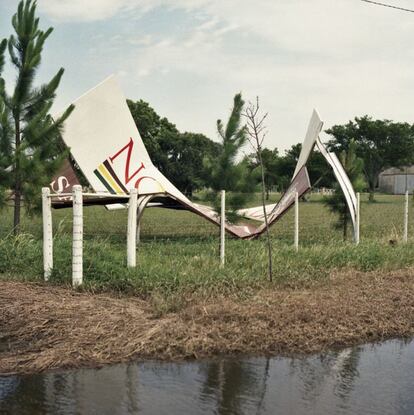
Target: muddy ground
(47, 327)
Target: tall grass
(179, 251)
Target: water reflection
(374, 379)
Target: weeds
(178, 255)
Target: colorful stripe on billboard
(109, 179)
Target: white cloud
(346, 57)
(81, 10)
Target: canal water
(371, 379)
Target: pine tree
(337, 202)
(30, 140)
(5, 133)
(225, 172)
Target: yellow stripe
(160, 187)
(110, 180)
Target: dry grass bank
(44, 327)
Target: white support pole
(296, 221)
(47, 233)
(77, 243)
(132, 229)
(222, 228)
(358, 218)
(406, 218)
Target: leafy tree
(185, 160)
(379, 143)
(30, 140)
(286, 166)
(225, 173)
(153, 130)
(279, 169)
(320, 173)
(270, 160)
(353, 166)
(177, 155)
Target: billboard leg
(358, 218)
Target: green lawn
(380, 221)
(179, 250)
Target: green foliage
(320, 173)
(224, 171)
(379, 143)
(3, 46)
(353, 166)
(30, 140)
(270, 159)
(177, 155)
(173, 269)
(178, 250)
(279, 169)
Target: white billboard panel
(314, 128)
(106, 145)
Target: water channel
(371, 379)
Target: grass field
(179, 250)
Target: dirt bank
(44, 327)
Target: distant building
(397, 180)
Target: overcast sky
(188, 58)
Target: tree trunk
(371, 196)
(371, 185)
(17, 181)
(269, 243)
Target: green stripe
(104, 182)
(114, 176)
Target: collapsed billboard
(108, 150)
(106, 145)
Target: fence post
(358, 218)
(132, 229)
(406, 218)
(77, 242)
(222, 228)
(296, 221)
(47, 233)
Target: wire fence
(380, 220)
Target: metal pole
(406, 218)
(47, 233)
(132, 228)
(77, 243)
(296, 221)
(358, 217)
(222, 228)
